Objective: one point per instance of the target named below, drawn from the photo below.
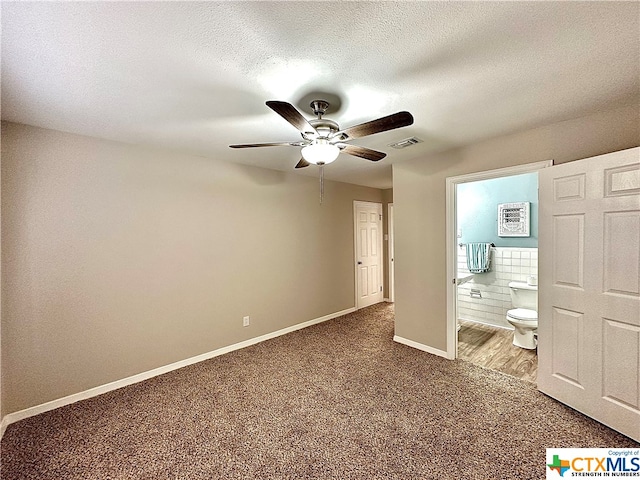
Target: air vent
(407, 142)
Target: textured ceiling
(194, 76)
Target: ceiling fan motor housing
(324, 127)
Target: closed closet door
(368, 253)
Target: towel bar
(463, 244)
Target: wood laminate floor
(492, 347)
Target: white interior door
(589, 294)
(368, 250)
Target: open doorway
(478, 300)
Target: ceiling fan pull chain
(321, 183)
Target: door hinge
(380, 287)
(380, 216)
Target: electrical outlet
(245, 321)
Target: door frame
(391, 294)
(378, 206)
(452, 238)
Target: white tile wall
(508, 264)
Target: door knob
(359, 263)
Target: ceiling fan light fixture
(321, 152)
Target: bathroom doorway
(477, 326)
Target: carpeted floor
(339, 400)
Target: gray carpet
(339, 400)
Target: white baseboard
(93, 392)
(420, 346)
(506, 327)
(3, 425)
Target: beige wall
(118, 259)
(419, 205)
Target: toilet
(524, 317)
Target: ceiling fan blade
(273, 144)
(302, 163)
(390, 122)
(362, 152)
(293, 116)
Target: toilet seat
(523, 314)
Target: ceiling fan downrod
(319, 107)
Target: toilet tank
(524, 295)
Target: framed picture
(514, 219)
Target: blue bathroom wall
(477, 209)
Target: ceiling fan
(323, 140)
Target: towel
(478, 257)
